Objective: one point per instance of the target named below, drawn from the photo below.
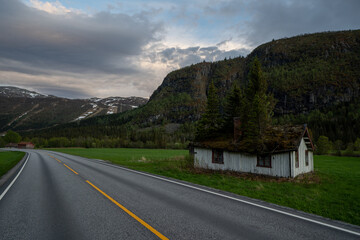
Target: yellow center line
(55, 158)
(70, 168)
(153, 230)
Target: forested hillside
(315, 79)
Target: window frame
(217, 156)
(306, 158)
(297, 160)
(261, 161)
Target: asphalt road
(66, 197)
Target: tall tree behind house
(233, 107)
(211, 121)
(258, 107)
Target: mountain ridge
(309, 75)
(22, 109)
(10, 91)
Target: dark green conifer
(210, 122)
(232, 108)
(258, 107)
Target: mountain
(312, 71)
(315, 79)
(304, 72)
(11, 92)
(21, 109)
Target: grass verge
(332, 191)
(8, 160)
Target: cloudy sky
(87, 48)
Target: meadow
(331, 191)
(8, 160)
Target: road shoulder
(12, 172)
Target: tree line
(334, 130)
(152, 138)
(326, 146)
(252, 104)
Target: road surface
(60, 196)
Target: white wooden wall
(302, 168)
(243, 163)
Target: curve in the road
(16, 177)
(80, 198)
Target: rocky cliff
(314, 77)
(304, 72)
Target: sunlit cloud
(83, 49)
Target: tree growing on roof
(233, 107)
(210, 122)
(258, 107)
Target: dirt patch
(308, 178)
(144, 160)
(177, 158)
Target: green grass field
(345, 153)
(8, 160)
(333, 191)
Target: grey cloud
(112, 50)
(73, 42)
(259, 21)
(187, 56)
(167, 54)
(49, 88)
(278, 19)
(223, 42)
(224, 8)
(63, 92)
(209, 49)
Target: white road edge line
(232, 198)
(243, 201)
(13, 181)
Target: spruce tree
(258, 107)
(210, 122)
(232, 108)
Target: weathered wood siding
(279, 166)
(203, 158)
(302, 167)
(243, 163)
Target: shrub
(349, 149)
(323, 145)
(357, 145)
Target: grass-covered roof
(275, 139)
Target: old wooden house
(287, 151)
(26, 145)
(11, 145)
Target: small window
(217, 156)
(306, 158)
(264, 161)
(297, 159)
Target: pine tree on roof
(210, 122)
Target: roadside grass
(332, 191)
(8, 160)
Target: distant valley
(21, 109)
